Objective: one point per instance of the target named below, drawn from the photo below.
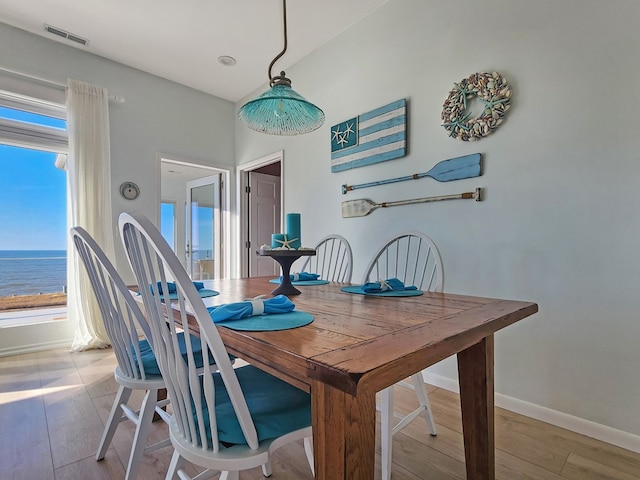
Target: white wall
(158, 116)
(560, 220)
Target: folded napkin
(172, 287)
(390, 284)
(253, 307)
(303, 277)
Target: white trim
(575, 424)
(29, 135)
(16, 318)
(39, 106)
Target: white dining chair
(333, 260)
(413, 258)
(227, 420)
(137, 368)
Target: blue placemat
(391, 293)
(301, 283)
(203, 292)
(269, 322)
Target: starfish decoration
(349, 130)
(336, 133)
(457, 123)
(492, 102)
(343, 139)
(287, 243)
(462, 93)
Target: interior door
(203, 247)
(264, 219)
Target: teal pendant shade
(281, 111)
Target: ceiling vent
(64, 34)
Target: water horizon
(30, 272)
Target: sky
(32, 194)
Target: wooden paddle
(444, 171)
(362, 207)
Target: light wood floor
(53, 405)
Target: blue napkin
(172, 287)
(302, 277)
(256, 306)
(391, 284)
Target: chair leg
(386, 429)
(145, 417)
(423, 398)
(235, 475)
(308, 449)
(175, 464)
(115, 417)
(266, 469)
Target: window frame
(30, 135)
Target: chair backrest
(411, 257)
(122, 317)
(192, 395)
(333, 260)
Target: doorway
(201, 215)
(260, 201)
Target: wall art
(372, 137)
(448, 170)
(492, 90)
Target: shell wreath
(492, 90)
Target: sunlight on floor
(9, 397)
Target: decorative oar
(444, 171)
(362, 207)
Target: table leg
(475, 372)
(344, 428)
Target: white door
(264, 219)
(203, 247)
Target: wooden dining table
(358, 345)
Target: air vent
(64, 34)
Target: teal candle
(293, 229)
(277, 239)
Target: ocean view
(29, 272)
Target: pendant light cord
(284, 18)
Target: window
(33, 195)
(168, 222)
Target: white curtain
(89, 176)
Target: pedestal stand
(286, 258)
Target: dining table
(359, 344)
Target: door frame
(243, 203)
(225, 202)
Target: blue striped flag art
(373, 137)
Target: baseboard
(6, 352)
(579, 425)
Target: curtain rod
(62, 86)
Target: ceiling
(182, 40)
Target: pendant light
(281, 110)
